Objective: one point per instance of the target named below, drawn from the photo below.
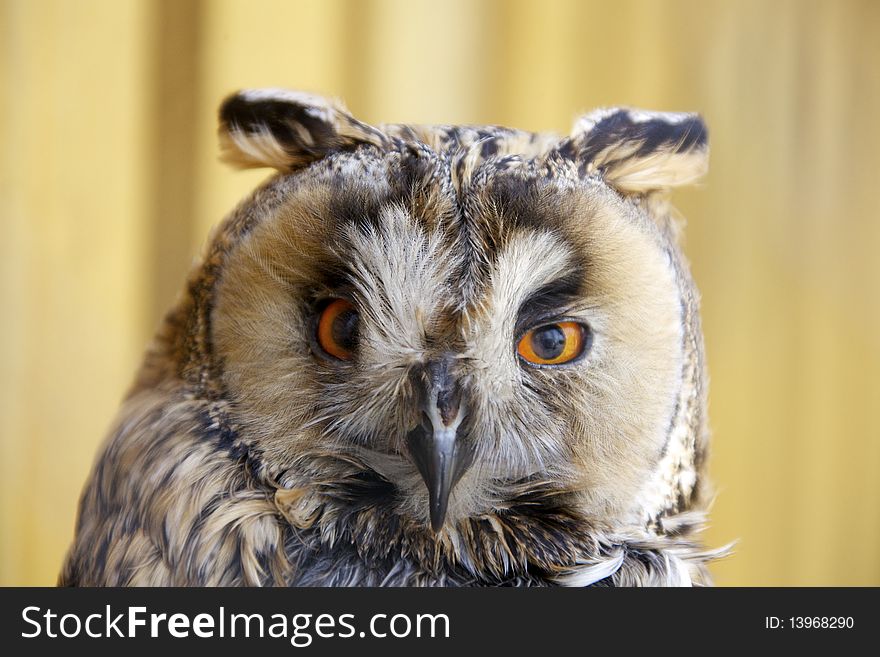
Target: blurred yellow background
(109, 183)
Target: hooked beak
(435, 445)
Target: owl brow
(548, 302)
(356, 206)
(362, 204)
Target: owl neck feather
(349, 534)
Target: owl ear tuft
(637, 151)
(286, 130)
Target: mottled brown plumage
(425, 448)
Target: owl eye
(338, 329)
(553, 344)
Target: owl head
(465, 318)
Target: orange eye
(338, 329)
(553, 344)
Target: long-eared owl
(421, 355)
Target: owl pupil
(345, 329)
(548, 342)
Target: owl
(421, 356)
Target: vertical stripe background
(109, 183)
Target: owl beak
(437, 449)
